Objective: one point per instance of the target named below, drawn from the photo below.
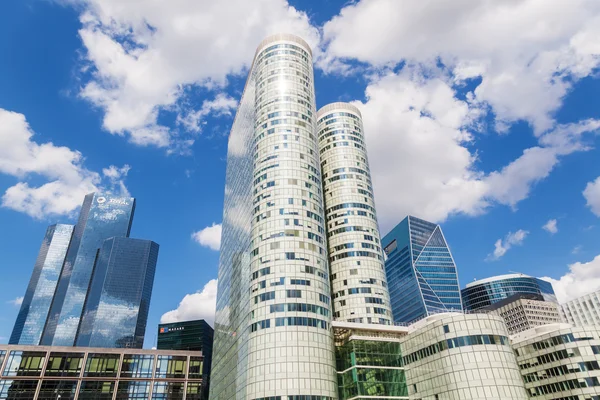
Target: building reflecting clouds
(91, 284)
(116, 309)
(36, 302)
(101, 218)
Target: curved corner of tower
(338, 106)
(283, 37)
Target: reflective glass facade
(359, 285)
(101, 217)
(189, 335)
(44, 279)
(369, 369)
(44, 373)
(116, 309)
(421, 272)
(273, 300)
(488, 291)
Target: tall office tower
(116, 308)
(101, 217)
(358, 280)
(421, 271)
(582, 311)
(36, 302)
(272, 332)
(485, 292)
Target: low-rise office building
(78, 373)
(455, 356)
(582, 311)
(559, 361)
(525, 311)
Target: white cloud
(145, 56)
(199, 305)
(209, 237)
(592, 196)
(419, 133)
(528, 53)
(221, 105)
(502, 246)
(16, 302)
(582, 278)
(550, 226)
(67, 180)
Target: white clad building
(273, 335)
(455, 356)
(359, 285)
(559, 361)
(584, 310)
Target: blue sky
(484, 118)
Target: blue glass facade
(36, 302)
(101, 217)
(480, 294)
(421, 272)
(116, 309)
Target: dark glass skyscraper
(420, 269)
(36, 302)
(116, 308)
(485, 292)
(101, 218)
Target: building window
(446, 329)
(64, 364)
(171, 367)
(102, 365)
(97, 390)
(24, 363)
(137, 366)
(129, 390)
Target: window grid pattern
(354, 243)
(478, 295)
(100, 375)
(421, 270)
(278, 222)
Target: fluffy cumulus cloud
(199, 305)
(503, 245)
(177, 46)
(209, 237)
(527, 53)
(592, 196)
(551, 226)
(65, 179)
(582, 278)
(420, 141)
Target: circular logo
(101, 200)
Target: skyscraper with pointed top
(421, 271)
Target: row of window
(289, 321)
(28, 363)
(337, 114)
(443, 345)
(564, 385)
(65, 389)
(562, 370)
(299, 307)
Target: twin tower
(300, 244)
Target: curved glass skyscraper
(273, 335)
(485, 292)
(359, 284)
